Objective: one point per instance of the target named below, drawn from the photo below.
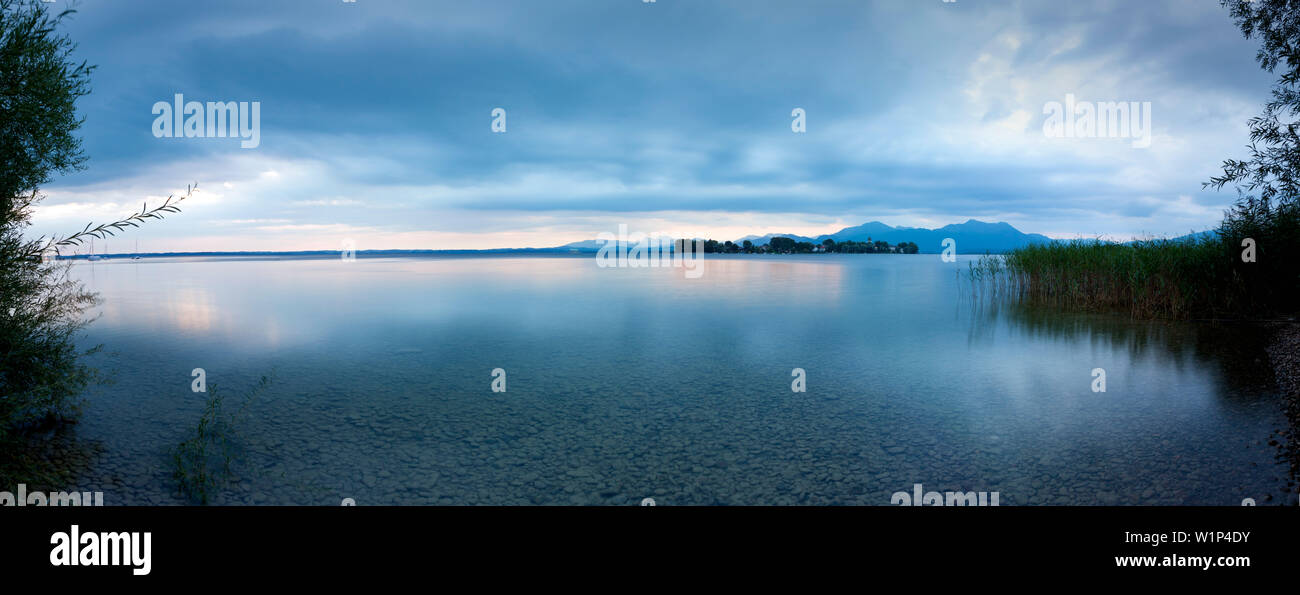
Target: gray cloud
(376, 114)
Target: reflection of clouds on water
(1231, 356)
(1220, 370)
(190, 309)
(626, 381)
(817, 280)
(202, 305)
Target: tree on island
(784, 245)
(781, 245)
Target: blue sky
(671, 116)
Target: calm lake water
(623, 384)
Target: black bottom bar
(1002, 543)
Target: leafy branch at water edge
(110, 229)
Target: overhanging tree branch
(110, 229)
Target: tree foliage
(1266, 213)
(41, 308)
(1273, 168)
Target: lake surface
(623, 384)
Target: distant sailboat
(92, 256)
(136, 256)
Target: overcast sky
(672, 116)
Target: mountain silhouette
(972, 237)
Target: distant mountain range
(972, 237)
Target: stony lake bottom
(623, 384)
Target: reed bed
(1189, 278)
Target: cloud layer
(672, 115)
